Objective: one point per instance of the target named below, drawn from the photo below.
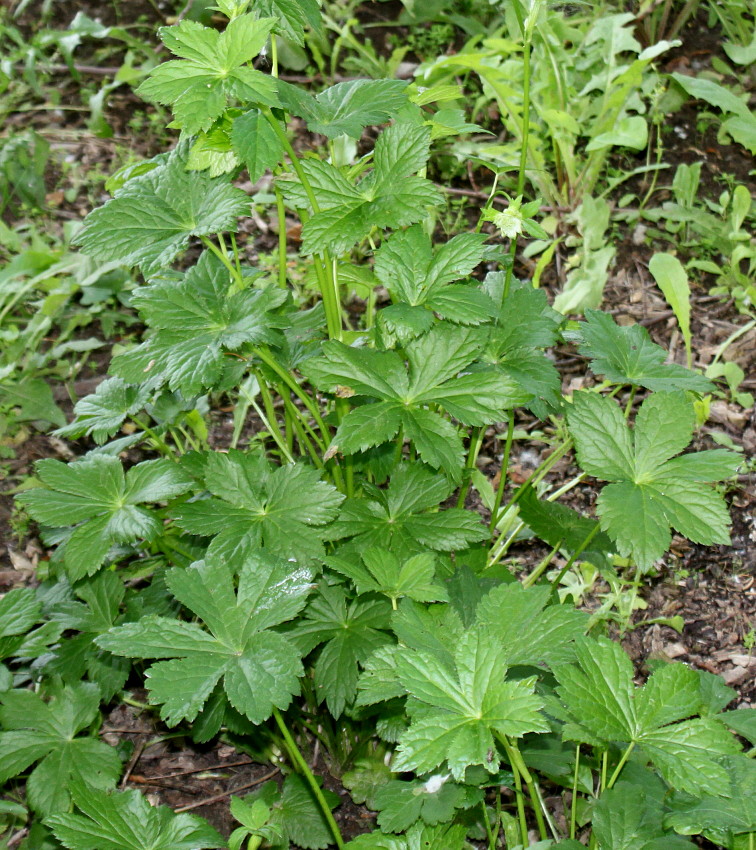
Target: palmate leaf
(126, 821)
(435, 800)
(295, 814)
(194, 322)
(259, 668)
(404, 395)
(95, 613)
(421, 282)
(529, 630)
(36, 731)
(389, 196)
(603, 707)
(19, 611)
(350, 632)
(102, 413)
(456, 712)
(103, 504)
(384, 573)
(212, 72)
(404, 519)
(346, 108)
(628, 817)
(292, 16)
(561, 526)
(730, 812)
(651, 489)
(151, 219)
(283, 509)
(626, 355)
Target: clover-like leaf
(284, 509)
(48, 733)
(651, 489)
(259, 667)
(212, 72)
(604, 706)
(102, 503)
(194, 323)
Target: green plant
(331, 577)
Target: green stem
(273, 56)
(489, 202)
(630, 400)
(476, 439)
(211, 246)
(541, 568)
(519, 768)
(526, 49)
(270, 421)
(573, 805)
(323, 265)
(159, 441)
(622, 761)
(502, 473)
(298, 426)
(270, 361)
(489, 830)
(237, 258)
(573, 557)
(302, 766)
(282, 255)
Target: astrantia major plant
(323, 581)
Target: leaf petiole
(302, 766)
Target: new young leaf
(212, 72)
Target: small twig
(135, 756)
(15, 839)
(201, 769)
(107, 729)
(217, 797)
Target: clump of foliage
(322, 577)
